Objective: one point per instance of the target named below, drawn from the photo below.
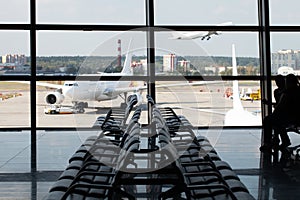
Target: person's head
(291, 81)
(280, 81)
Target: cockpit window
(71, 84)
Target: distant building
(285, 58)
(18, 59)
(186, 64)
(169, 63)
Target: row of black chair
(185, 166)
(201, 175)
(116, 118)
(97, 166)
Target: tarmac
(201, 106)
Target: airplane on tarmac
(238, 115)
(82, 91)
(197, 34)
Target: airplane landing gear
(80, 106)
(124, 104)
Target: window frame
(263, 29)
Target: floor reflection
(238, 147)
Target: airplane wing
(138, 88)
(197, 34)
(44, 84)
(187, 35)
(49, 85)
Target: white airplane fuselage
(93, 90)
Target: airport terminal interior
(145, 99)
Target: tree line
(95, 64)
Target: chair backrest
(150, 100)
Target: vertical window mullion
(33, 85)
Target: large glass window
(60, 151)
(15, 104)
(284, 13)
(14, 11)
(93, 12)
(285, 50)
(14, 52)
(75, 43)
(204, 55)
(212, 103)
(77, 52)
(15, 156)
(196, 12)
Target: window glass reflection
(15, 148)
(14, 11)
(14, 52)
(93, 12)
(15, 106)
(212, 103)
(194, 12)
(79, 103)
(285, 53)
(206, 57)
(58, 146)
(290, 10)
(76, 52)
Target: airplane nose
(68, 91)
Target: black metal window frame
(263, 29)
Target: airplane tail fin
(237, 104)
(127, 64)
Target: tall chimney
(119, 53)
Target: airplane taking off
(238, 115)
(197, 34)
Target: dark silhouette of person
(280, 83)
(285, 114)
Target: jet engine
(54, 98)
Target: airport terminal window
(211, 104)
(15, 11)
(196, 12)
(12, 94)
(285, 52)
(67, 35)
(206, 58)
(284, 14)
(57, 109)
(15, 57)
(59, 150)
(93, 12)
(15, 152)
(91, 53)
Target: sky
(173, 12)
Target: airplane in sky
(238, 115)
(198, 34)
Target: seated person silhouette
(280, 83)
(284, 114)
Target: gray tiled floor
(239, 147)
